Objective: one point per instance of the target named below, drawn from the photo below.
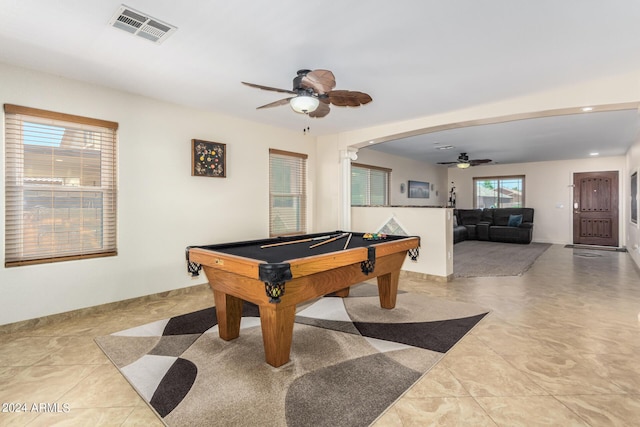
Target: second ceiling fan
(314, 92)
(463, 161)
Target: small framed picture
(208, 159)
(419, 190)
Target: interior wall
(327, 195)
(548, 189)
(434, 226)
(161, 207)
(403, 170)
(607, 91)
(633, 229)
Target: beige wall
(548, 189)
(161, 207)
(434, 226)
(619, 89)
(403, 170)
(633, 230)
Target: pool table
(276, 274)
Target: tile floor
(560, 348)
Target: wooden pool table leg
(277, 332)
(229, 314)
(388, 289)
(342, 293)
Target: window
(369, 185)
(60, 186)
(498, 192)
(287, 193)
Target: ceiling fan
(463, 161)
(313, 92)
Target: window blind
(369, 185)
(287, 193)
(60, 186)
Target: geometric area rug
(350, 360)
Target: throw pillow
(455, 221)
(514, 220)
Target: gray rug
(350, 361)
(474, 258)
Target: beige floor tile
(622, 369)
(491, 376)
(563, 375)
(389, 419)
(16, 419)
(94, 417)
(529, 411)
(596, 340)
(442, 412)
(605, 410)
(40, 384)
(559, 348)
(471, 346)
(438, 382)
(104, 387)
(25, 351)
(78, 351)
(142, 417)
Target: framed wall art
(208, 159)
(418, 190)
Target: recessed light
(445, 147)
(372, 142)
(586, 109)
(594, 154)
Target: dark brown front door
(595, 208)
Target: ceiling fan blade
(276, 103)
(321, 81)
(479, 161)
(322, 110)
(272, 89)
(447, 163)
(348, 98)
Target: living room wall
(633, 229)
(548, 189)
(613, 90)
(161, 207)
(403, 170)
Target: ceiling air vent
(141, 25)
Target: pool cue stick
(329, 241)
(348, 240)
(294, 241)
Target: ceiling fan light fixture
(304, 104)
(463, 165)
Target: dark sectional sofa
(509, 225)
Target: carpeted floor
(350, 360)
(475, 258)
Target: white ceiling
(414, 57)
(576, 136)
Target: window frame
(368, 196)
(499, 178)
(19, 250)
